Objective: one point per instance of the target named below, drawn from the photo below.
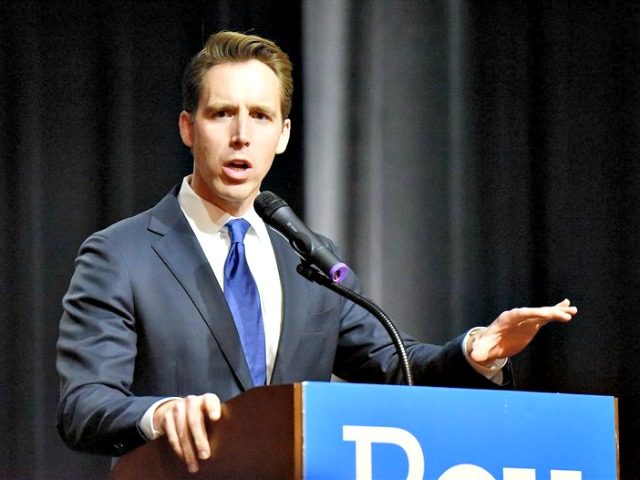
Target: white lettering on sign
(518, 474)
(365, 436)
(530, 474)
(566, 475)
(466, 471)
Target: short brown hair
(224, 47)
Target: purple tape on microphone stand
(338, 272)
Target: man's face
(235, 133)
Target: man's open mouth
(238, 164)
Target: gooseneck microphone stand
(311, 273)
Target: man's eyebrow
(214, 106)
(264, 109)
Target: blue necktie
(243, 299)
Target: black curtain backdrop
(556, 130)
(543, 130)
(90, 95)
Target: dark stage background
(507, 140)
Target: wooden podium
(259, 435)
(340, 431)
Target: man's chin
(238, 198)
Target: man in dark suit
(150, 344)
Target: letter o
(466, 471)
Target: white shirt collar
(210, 219)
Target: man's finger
(212, 406)
(184, 436)
(196, 422)
(544, 313)
(172, 435)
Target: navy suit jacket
(144, 318)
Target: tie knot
(237, 229)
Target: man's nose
(240, 133)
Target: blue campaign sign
(395, 432)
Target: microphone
(275, 212)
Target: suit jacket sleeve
(366, 354)
(96, 355)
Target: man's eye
(222, 114)
(261, 116)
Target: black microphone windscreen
(266, 203)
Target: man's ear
(284, 136)
(185, 122)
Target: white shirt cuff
(492, 371)
(146, 422)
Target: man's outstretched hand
(514, 329)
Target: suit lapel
(180, 251)
(294, 314)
